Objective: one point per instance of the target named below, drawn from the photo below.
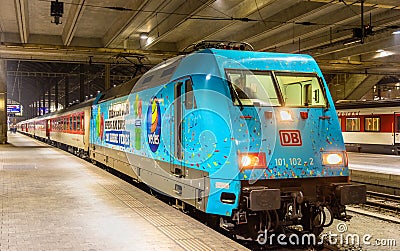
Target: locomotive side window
(372, 124)
(352, 124)
(301, 90)
(190, 100)
(252, 88)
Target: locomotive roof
(118, 91)
(212, 61)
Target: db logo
(290, 137)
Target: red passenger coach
(372, 126)
(67, 129)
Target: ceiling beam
(74, 14)
(123, 21)
(317, 35)
(247, 8)
(371, 3)
(384, 40)
(21, 11)
(359, 67)
(261, 34)
(172, 22)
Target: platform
(52, 200)
(381, 173)
(377, 163)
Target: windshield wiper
(235, 95)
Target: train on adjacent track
(251, 139)
(371, 126)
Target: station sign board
(13, 108)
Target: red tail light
(252, 160)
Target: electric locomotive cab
(292, 161)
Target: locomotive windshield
(253, 88)
(301, 90)
(259, 88)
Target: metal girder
(75, 13)
(113, 77)
(73, 53)
(21, 10)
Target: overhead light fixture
(383, 53)
(396, 32)
(57, 11)
(350, 42)
(144, 35)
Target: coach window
(352, 124)
(372, 124)
(83, 123)
(74, 119)
(78, 123)
(70, 123)
(398, 123)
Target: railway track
(383, 201)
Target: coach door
(396, 129)
(183, 104)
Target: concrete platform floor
(51, 200)
(376, 163)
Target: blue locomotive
(249, 138)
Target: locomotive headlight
(333, 159)
(252, 160)
(246, 160)
(286, 115)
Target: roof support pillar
(3, 102)
(42, 112)
(81, 83)
(49, 100)
(107, 75)
(66, 91)
(34, 112)
(56, 96)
